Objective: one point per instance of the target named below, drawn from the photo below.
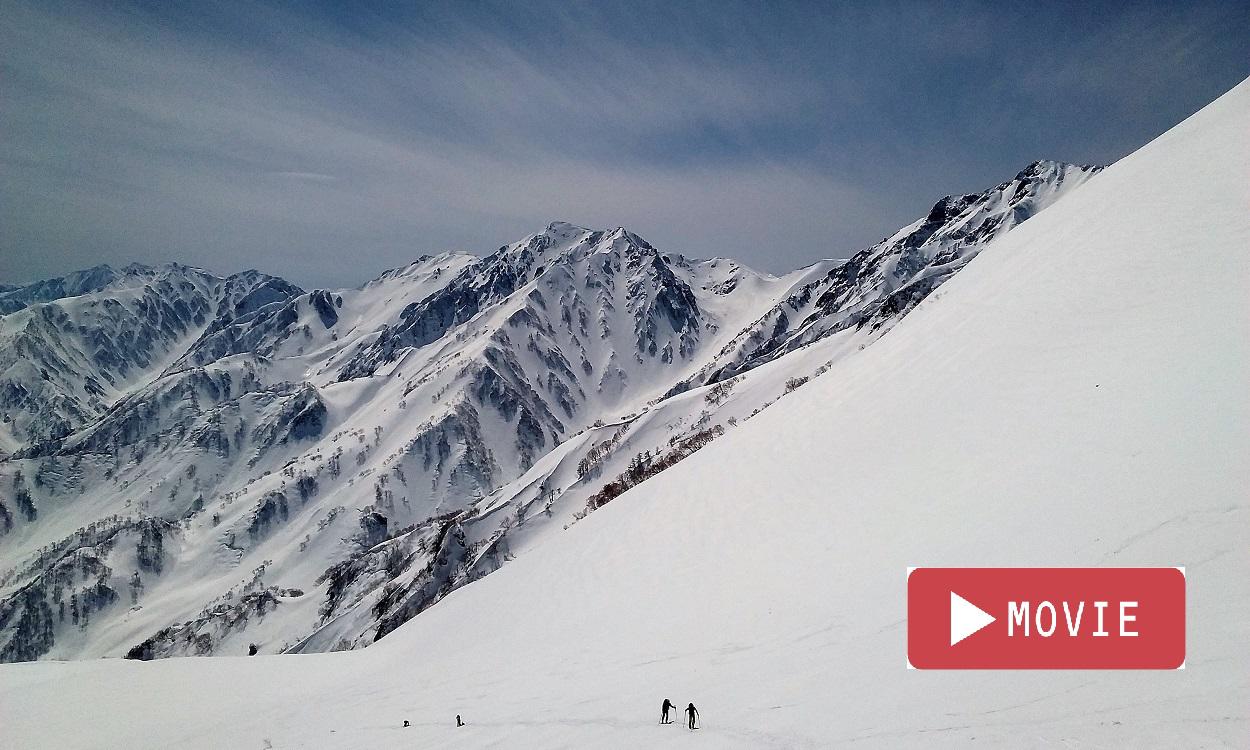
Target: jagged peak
(1040, 171)
(949, 207)
(102, 268)
(172, 267)
(564, 229)
(1045, 167)
(416, 266)
(102, 275)
(252, 276)
(79, 276)
(562, 241)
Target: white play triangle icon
(966, 618)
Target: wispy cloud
(294, 139)
(309, 176)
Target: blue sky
(326, 142)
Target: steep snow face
(64, 361)
(880, 284)
(310, 470)
(1033, 414)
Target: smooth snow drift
(1076, 396)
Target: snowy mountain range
(197, 465)
(1075, 396)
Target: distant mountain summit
(196, 463)
(16, 297)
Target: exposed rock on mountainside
(878, 285)
(185, 450)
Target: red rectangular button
(1046, 618)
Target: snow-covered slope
(1075, 397)
(308, 471)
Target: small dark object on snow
(459, 723)
(693, 713)
(665, 707)
(406, 723)
(251, 649)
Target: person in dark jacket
(664, 709)
(693, 714)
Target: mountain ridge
(366, 451)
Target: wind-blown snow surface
(1076, 396)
